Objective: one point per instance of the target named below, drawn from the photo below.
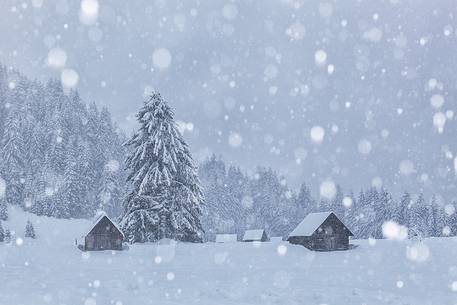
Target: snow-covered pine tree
(439, 218)
(4, 91)
(431, 218)
(226, 200)
(350, 208)
(355, 217)
(236, 190)
(269, 202)
(336, 204)
(403, 209)
(110, 194)
(2, 233)
(3, 209)
(13, 156)
(304, 201)
(450, 218)
(166, 197)
(418, 217)
(74, 192)
(7, 235)
(303, 204)
(212, 173)
(367, 214)
(383, 207)
(29, 230)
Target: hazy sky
(357, 92)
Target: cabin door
(104, 242)
(331, 243)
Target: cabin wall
(322, 243)
(301, 240)
(103, 242)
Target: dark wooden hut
(321, 232)
(255, 235)
(104, 234)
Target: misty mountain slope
(251, 79)
(59, 156)
(51, 270)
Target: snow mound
(51, 270)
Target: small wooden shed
(226, 238)
(321, 232)
(255, 235)
(104, 234)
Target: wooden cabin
(321, 232)
(104, 234)
(226, 238)
(255, 235)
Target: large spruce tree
(166, 197)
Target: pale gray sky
(252, 79)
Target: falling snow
(161, 58)
(287, 107)
(69, 78)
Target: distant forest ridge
(63, 158)
(236, 201)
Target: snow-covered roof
(226, 238)
(253, 234)
(98, 218)
(310, 224)
(276, 238)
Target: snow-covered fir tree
(383, 207)
(418, 217)
(212, 173)
(3, 209)
(436, 223)
(236, 190)
(29, 230)
(269, 202)
(13, 155)
(402, 214)
(7, 235)
(451, 218)
(111, 189)
(166, 196)
(366, 214)
(2, 233)
(227, 199)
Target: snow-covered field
(51, 270)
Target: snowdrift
(51, 270)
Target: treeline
(236, 202)
(59, 157)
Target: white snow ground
(51, 270)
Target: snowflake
(88, 13)
(392, 230)
(328, 190)
(161, 58)
(69, 78)
(57, 58)
(317, 134)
